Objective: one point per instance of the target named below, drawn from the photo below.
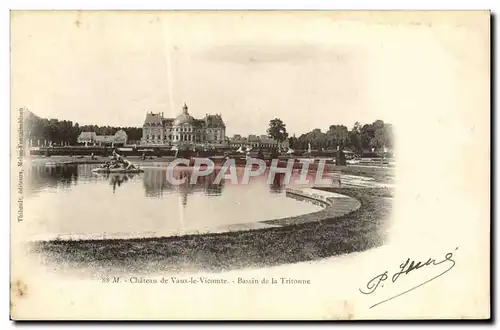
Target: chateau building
(256, 142)
(184, 129)
(91, 138)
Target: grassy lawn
(380, 174)
(358, 231)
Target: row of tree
(64, 132)
(376, 136)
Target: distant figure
(127, 163)
(116, 156)
(143, 157)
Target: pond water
(70, 201)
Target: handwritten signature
(405, 268)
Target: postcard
(250, 165)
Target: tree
(357, 127)
(277, 130)
(383, 137)
(340, 135)
(355, 141)
(292, 141)
(316, 138)
(361, 137)
(260, 154)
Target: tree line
(64, 132)
(376, 136)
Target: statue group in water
(118, 164)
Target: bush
(274, 153)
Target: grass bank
(358, 231)
(380, 174)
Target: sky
(311, 70)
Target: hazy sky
(309, 69)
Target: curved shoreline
(356, 231)
(334, 205)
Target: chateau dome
(184, 117)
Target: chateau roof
(121, 133)
(153, 119)
(168, 121)
(214, 121)
(199, 123)
(87, 135)
(253, 138)
(210, 121)
(239, 140)
(183, 118)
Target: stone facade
(258, 142)
(183, 130)
(91, 138)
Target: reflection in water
(156, 183)
(39, 177)
(278, 183)
(117, 179)
(138, 205)
(305, 199)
